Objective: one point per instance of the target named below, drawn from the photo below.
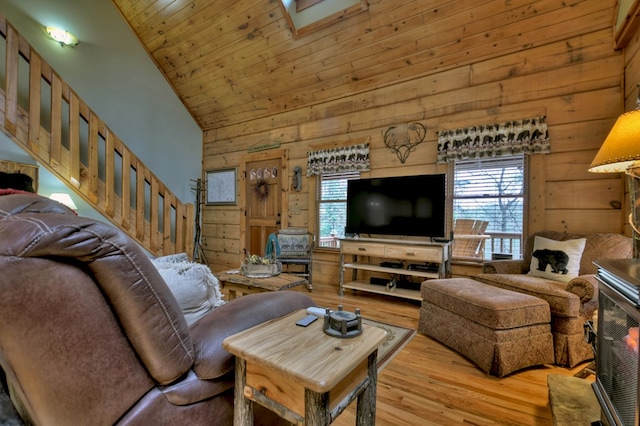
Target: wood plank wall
(632, 73)
(479, 62)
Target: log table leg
(243, 407)
(366, 410)
(316, 408)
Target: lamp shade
(64, 199)
(621, 148)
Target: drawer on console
(423, 254)
(363, 249)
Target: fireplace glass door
(617, 360)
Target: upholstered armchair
(91, 334)
(572, 301)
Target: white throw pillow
(170, 258)
(556, 260)
(193, 285)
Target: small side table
(302, 374)
(237, 285)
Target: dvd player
(391, 264)
(423, 268)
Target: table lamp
(620, 152)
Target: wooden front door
(264, 202)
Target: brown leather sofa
(572, 303)
(91, 334)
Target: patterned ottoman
(501, 331)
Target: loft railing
(42, 114)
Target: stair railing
(41, 113)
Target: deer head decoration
(416, 133)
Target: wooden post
(243, 407)
(316, 407)
(366, 411)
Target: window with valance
(526, 136)
(354, 158)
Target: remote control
(307, 320)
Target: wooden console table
(303, 374)
(237, 285)
(414, 252)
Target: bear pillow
(556, 260)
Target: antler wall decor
(404, 148)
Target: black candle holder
(342, 324)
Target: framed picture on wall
(221, 187)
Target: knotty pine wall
(559, 62)
(631, 74)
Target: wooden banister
(75, 145)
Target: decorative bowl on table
(255, 266)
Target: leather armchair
(91, 334)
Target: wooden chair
(295, 247)
(469, 239)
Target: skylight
(310, 15)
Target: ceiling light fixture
(64, 37)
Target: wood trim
(323, 22)
(303, 4)
(329, 20)
(626, 22)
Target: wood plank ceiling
(236, 61)
(233, 61)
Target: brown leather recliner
(91, 334)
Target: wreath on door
(261, 189)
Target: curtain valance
(354, 158)
(526, 136)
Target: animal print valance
(354, 158)
(527, 136)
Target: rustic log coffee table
(238, 285)
(303, 374)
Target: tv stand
(362, 251)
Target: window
(332, 207)
(492, 189)
(307, 16)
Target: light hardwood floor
(429, 384)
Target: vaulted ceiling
(234, 61)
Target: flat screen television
(402, 206)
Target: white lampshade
(65, 199)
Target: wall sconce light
(64, 37)
(620, 153)
(65, 199)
